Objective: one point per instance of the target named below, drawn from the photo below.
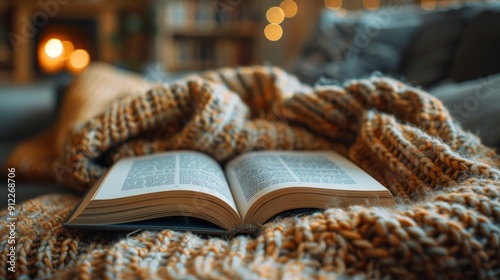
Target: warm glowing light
(428, 5)
(79, 59)
(333, 4)
(289, 7)
(68, 49)
(275, 15)
(341, 12)
(371, 4)
(54, 55)
(54, 48)
(49, 64)
(273, 32)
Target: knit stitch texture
(446, 183)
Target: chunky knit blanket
(446, 183)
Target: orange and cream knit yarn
(446, 183)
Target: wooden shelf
(85, 5)
(211, 30)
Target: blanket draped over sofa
(446, 183)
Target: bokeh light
(371, 4)
(273, 32)
(55, 56)
(428, 5)
(78, 60)
(275, 15)
(289, 7)
(54, 48)
(333, 4)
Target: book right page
(256, 174)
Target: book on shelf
(206, 13)
(188, 190)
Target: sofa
(451, 52)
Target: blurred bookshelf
(201, 34)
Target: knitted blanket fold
(446, 183)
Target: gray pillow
(354, 47)
(477, 54)
(476, 105)
(428, 59)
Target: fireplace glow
(56, 55)
(49, 56)
(54, 48)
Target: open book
(254, 187)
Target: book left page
(170, 171)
